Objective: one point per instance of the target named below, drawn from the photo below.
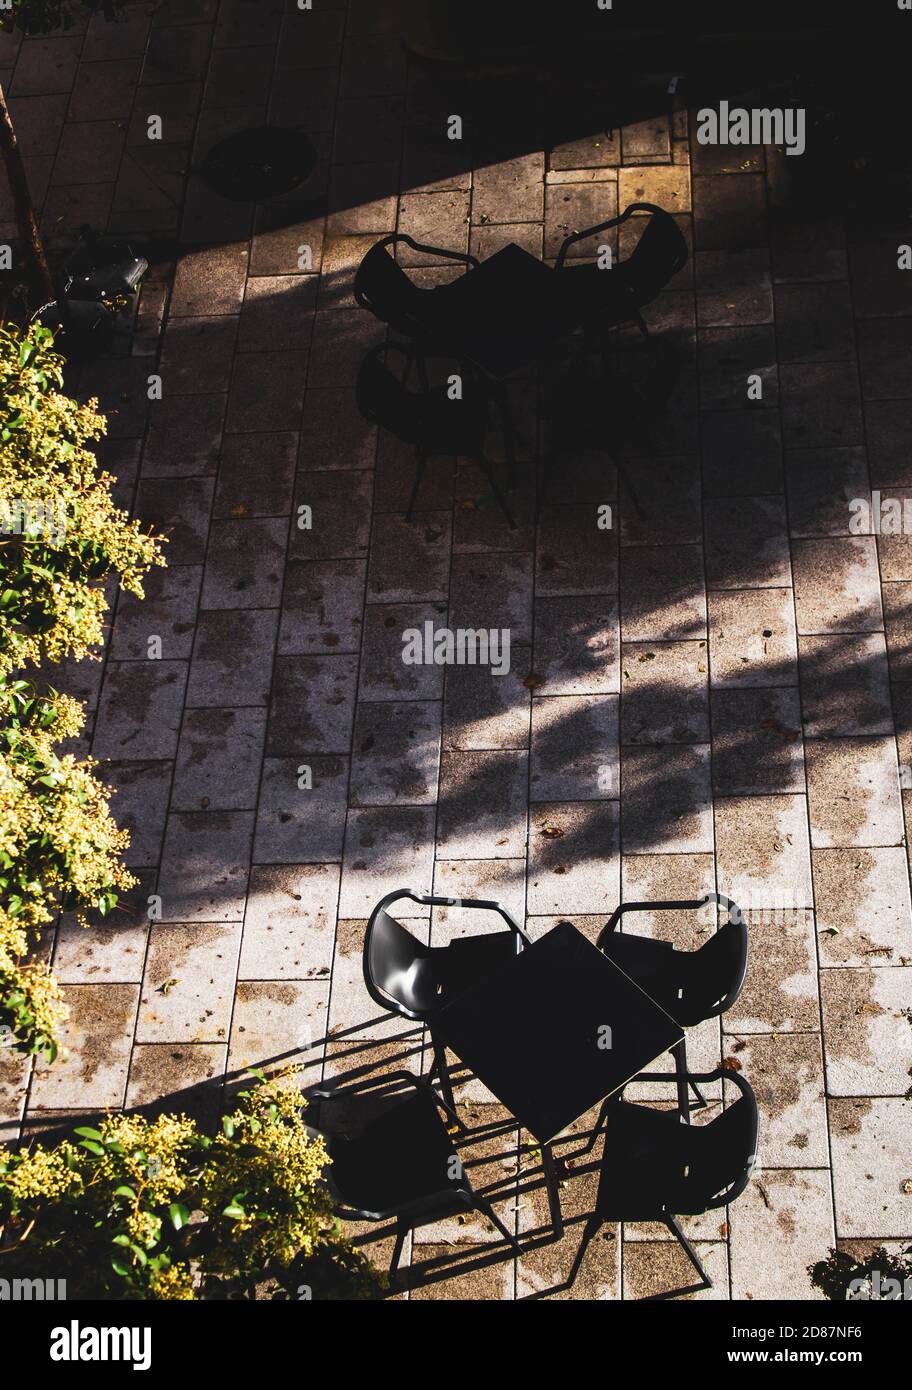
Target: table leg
(509, 431)
(557, 1218)
(625, 476)
(680, 1056)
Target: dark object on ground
(879, 1276)
(98, 287)
(253, 165)
(100, 276)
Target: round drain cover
(253, 165)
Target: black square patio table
(506, 313)
(554, 1031)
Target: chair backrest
(718, 1157)
(714, 975)
(658, 255)
(383, 399)
(397, 967)
(383, 287)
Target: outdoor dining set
(558, 1026)
(506, 315)
(553, 1028)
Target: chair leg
(699, 1094)
(401, 1233)
(679, 1052)
(597, 1129)
(420, 461)
(543, 464)
(680, 1056)
(557, 1216)
(706, 1283)
(509, 432)
(591, 1228)
(484, 1206)
(630, 488)
(446, 1085)
(488, 471)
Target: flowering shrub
(156, 1209)
(60, 537)
(59, 850)
(60, 533)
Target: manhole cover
(256, 164)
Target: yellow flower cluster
(154, 1154)
(32, 981)
(71, 820)
(279, 1166)
(175, 1282)
(42, 1173)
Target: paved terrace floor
(719, 696)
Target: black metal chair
(429, 418)
(493, 322)
(382, 287)
(413, 980)
(656, 1169)
(610, 298)
(689, 985)
(400, 1165)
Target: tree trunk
(40, 285)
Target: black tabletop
(555, 1030)
(505, 313)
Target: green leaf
(125, 1191)
(228, 1126)
(92, 1147)
(86, 1133)
(234, 1211)
(179, 1215)
(119, 1267)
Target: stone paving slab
(713, 695)
(870, 1143)
(786, 1071)
(780, 995)
(778, 1227)
(866, 1022)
